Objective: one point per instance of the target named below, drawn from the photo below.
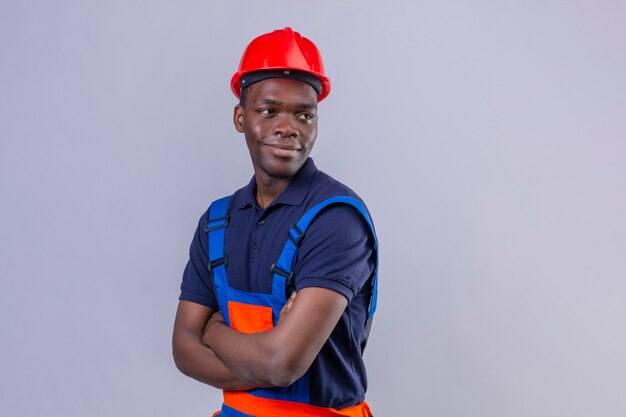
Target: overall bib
(254, 312)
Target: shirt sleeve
(337, 252)
(197, 285)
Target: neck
(269, 188)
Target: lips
(282, 150)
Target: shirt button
(261, 222)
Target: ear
(238, 118)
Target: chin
(282, 173)
(282, 170)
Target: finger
(287, 305)
(289, 302)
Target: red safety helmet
(281, 49)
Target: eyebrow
(304, 106)
(307, 106)
(271, 101)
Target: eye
(307, 116)
(266, 111)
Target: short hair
(243, 97)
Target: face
(279, 121)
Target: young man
(278, 318)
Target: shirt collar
(293, 195)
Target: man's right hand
(287, 306)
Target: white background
(487, 137)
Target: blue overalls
(254, 312)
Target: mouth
(282, 150)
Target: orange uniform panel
(248, 318)
(257, 406)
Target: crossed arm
(192, 357)
(206, 349)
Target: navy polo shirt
(337, 253)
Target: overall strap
(216, 230)
(283, 268)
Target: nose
(285, 126)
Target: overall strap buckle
(218, 223)
(296, 235)
(288, 275)
(218, 262)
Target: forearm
(279, 356)
(252, 358)
(200, 362)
